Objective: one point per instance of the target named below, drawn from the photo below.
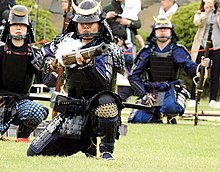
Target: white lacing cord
(198, 75)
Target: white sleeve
(172, 10)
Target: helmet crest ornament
(162, 21)
(20, 13)
(86, 12)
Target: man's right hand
(52, 64)
(110, 14)
(148, 100)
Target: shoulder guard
(147, 46)
(182, 46)
(37, 61)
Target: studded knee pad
(109, 110)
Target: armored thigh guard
(7, 112)
(174, 101)
(45, 137)
(182, 94)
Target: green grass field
(182, 147)
(146, 147)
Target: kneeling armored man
(154, 75)
(19, 63)
(90, 109)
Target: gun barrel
(87, 53)
(102, 48)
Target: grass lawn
(146, 147)
(204, 106)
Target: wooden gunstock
(58, 85)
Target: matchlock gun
(87, 53)
(203, 74)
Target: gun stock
(87, 53)
(58, 86)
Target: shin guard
(107, 130)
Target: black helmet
(18, 14)
(88, 11)
(161, 21)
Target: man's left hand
(123, 21)
(80, 60)
(205, 62)
(148, 100)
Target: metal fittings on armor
(107, 110)
(1, 101)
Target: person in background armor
(4, 10)
(88, 82)
(18, 66)
(154, 75)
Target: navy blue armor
(155, 72)
(93, 83)
(95, 109)
(180, 57)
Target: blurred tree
(144, 36)
(183, 21)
